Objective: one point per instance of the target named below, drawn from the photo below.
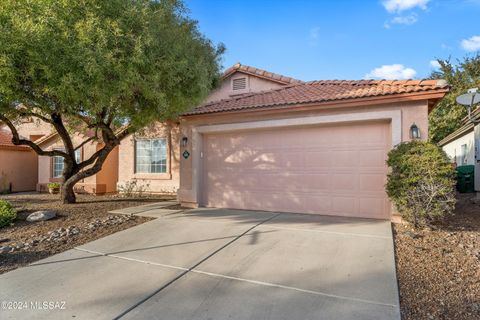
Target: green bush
(54, 185)
(7, 213)
(421, 183)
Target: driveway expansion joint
(187, 270)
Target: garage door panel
(345, 181)
(372, 157)
(336, 170)
(372, 182)
(373, 207)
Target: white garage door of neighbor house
(331, 170)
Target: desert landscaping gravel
(439, 268)
(25, 242)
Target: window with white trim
(59, 164)
(78, 156)
(151, 156)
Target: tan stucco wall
(33, 128)
(155, 183)
(411, 112)
(18, 168)
(93, 184)
(108, 176)
(254, 84)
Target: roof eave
(457, 133)
(375, 100)
(229, 73)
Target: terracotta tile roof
(322, 91)
(260, 73)
(6, 142)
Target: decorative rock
(41, 216)
(5, 249)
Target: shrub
(421, 183)
(53, 185)
(133, 189)
(7, 213)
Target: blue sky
(342, 39)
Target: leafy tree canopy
(448, 115)
(95, 64)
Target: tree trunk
(67, 194)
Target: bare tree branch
(24, 113)
(85, 142)
(16, 140)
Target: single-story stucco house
(463, 146)
(152, 157)
(19, 164)
(263, 141)
(50, 169)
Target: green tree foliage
(448, 115)
(422, 182)
(99, 65)
(7, 213)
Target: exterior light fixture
(184, 141)
(414, 132)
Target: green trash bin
(466, 178)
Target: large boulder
(41, 215)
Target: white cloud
(472, 44)
(402, 5)
(314, 35)
(391, 72)
(405, 20)
(434, 64)
(408, 20)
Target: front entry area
(336, 169)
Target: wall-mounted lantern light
(184, 141)
(414, 132)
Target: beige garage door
(331, 170)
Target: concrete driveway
(217, 264)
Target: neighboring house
(18, 165)
(463, 146)
(152, 157)
(50, 169)
(317, 147)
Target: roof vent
(239, 83)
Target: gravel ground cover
(25, 242)
(439, 267)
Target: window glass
(78, 158)
(151, 156)
(58, 165)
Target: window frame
(167, 158)
(57, 177)
(55, 158)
